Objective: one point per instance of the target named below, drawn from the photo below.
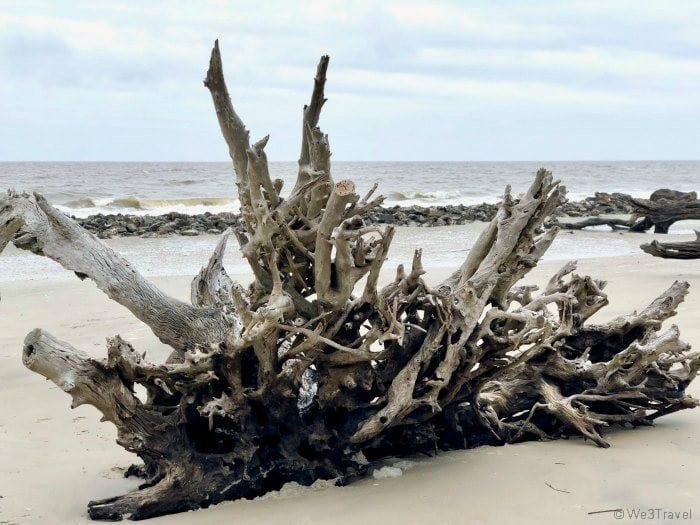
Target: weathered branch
(613, 223)
(324, 273)
(312, 112)
(233, 130)
(32, 224)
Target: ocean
(85, 188)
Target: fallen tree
(662, 209)
(674, 250)
(314, 369)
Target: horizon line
(347, 161)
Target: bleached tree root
(314, 370)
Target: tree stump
(314, 370)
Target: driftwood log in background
(612, 222)
(314, 370)
(675, 250)
(662, 209)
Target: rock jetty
(173, 223)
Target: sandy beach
(54, 459)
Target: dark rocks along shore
(173, 223)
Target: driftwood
(674, 250)
(314, 370)
(663, 208)
(613, 223)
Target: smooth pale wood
(46, 231)
(343, 194)
(233, 130)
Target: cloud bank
(409, 80)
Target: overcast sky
(408, 80)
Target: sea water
(85, 188)
(82, 189)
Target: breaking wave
(84, 206)
(436, 198)
(427, 196)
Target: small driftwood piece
(674, 250)
(613, 223)
(314, 369)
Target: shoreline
(444, 247)
(175, 223)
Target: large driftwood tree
(314, 369)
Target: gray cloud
(123, 80)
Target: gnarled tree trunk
(313, 369)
